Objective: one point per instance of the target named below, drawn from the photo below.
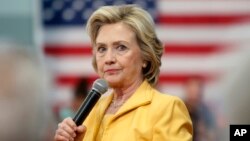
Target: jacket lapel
(104, 105)
(142, 96)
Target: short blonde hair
(143, 26)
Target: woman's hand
(67, 130)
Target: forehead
(115, 32)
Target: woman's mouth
(111, 71)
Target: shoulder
(168, 104)
(165, 99)
(170, 114)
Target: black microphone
(99, 87)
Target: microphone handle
(86, 107)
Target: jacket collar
(142, 96)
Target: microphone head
(100, 85)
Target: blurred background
(45, 62)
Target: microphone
(100, 86)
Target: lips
(111, 70)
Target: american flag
(202, 38)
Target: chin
(114, 81)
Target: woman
(127, 54)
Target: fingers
(81, 129)
(62, 134)
(70, 123)
(59, 137)
(69, 126)
(66, 130)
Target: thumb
(81, 129)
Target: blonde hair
(143, 26)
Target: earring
(144, 65)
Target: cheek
(99, 65)
(134, 63)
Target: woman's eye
(101, 49)
(122, 48)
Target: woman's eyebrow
(100, 44)
(119, 42)
(114, 43)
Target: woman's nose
(110, 57)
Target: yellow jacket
(148, 115)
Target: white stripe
(204, 34)
(70, 35)
(70, 65)
(186, 34)
(198, 7)
(170, 64)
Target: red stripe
(181, 78)
(164, 78)
(62, 49)
(195, 49)
(202, 19)
(186, 49)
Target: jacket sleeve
(174, 123)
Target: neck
(122, 94)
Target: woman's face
(118, 55)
